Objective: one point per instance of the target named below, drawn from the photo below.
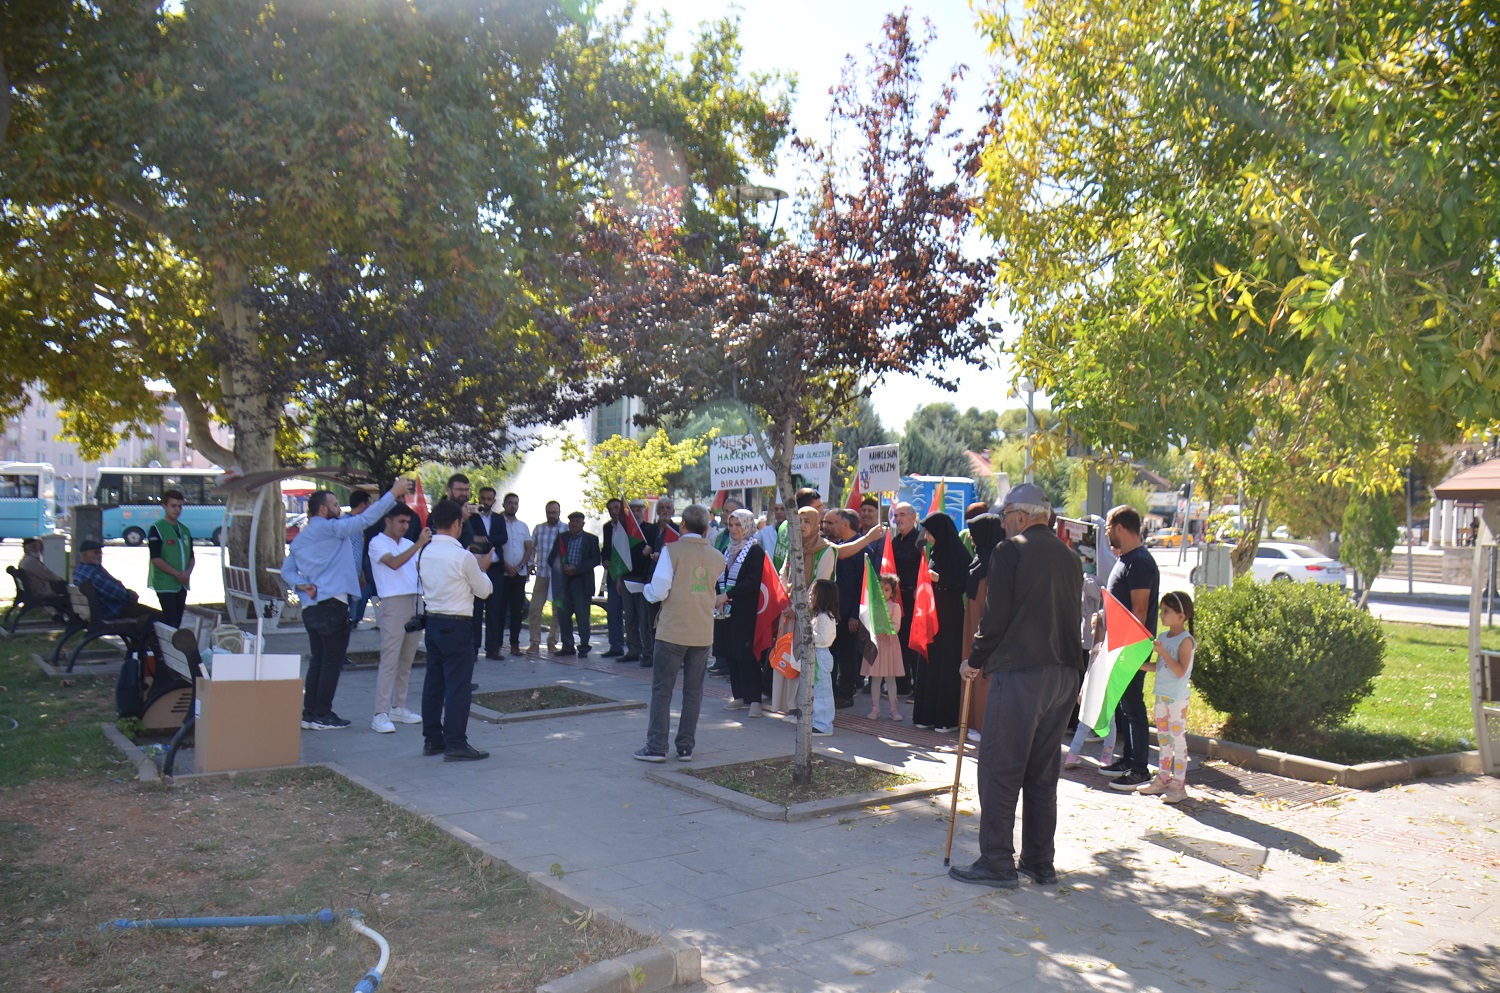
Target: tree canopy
(1267, 228)
(163, 161)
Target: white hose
(373, 977)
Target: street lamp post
(1025, 385)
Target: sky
(812, 38)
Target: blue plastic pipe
(321, 917)
(369, 984)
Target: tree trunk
(255, 415)
(802, 638)
(1243, 554)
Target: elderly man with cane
(1028, 645)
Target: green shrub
(1285, 656)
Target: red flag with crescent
(773, 601)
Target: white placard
(734, 463)
(880, 469)
(814, 463)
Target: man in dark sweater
(1136, 582)
(1029, 646)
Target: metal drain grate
(1234, 781)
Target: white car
(1288, 562)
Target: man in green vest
(171, 545)
(685, 585)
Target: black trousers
(1020, 757)
(172, 606)
(577, 598)
(1134, 725)
(489, 613)
(514, 610)
(846, 663)
(446, 695)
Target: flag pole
(958, 766)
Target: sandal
(874, 714)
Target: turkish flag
(773, 601)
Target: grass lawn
(82, 843)
(1420, 705)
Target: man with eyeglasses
(1028, 646)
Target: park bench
(87, 620)
(26, 601)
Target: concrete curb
(671, 962)
(88, 665)
(1364, 776)
(146, 770)
(764, 809)
(1422, 599)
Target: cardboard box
(247, 724)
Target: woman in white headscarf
(735, 607)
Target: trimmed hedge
(1285, 656)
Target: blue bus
(131, 501)
(26, 500)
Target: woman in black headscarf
(939, 687)
(986, 531)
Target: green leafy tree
(1367, 538)
(1260, 227)
(626, 468)
(164, 160)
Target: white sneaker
(381, 724)
(736, 705)
(403, 716)
(755, 711)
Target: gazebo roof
(252, 481)
(1476, 484)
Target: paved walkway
(1390, 891)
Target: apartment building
(33, 436)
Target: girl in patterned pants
(1174, 669)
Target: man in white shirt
(452, 578)
(543, 544)
(393, 563)
(517, 555)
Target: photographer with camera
(452, 577)
(320, 566)
(393, 558)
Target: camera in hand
(416, 622)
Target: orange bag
(783, 659)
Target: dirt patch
(525, 701)
(74, 855)
(771, 779)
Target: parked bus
(26, 500)
(131, 501)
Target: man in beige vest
(684, 585)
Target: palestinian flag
(874, 612)
(939, 498)
(668, 533)
(626, 539)
(773, 600)
(718, 503)
(1127, 646)
(924, 622)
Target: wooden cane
(958, 766)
